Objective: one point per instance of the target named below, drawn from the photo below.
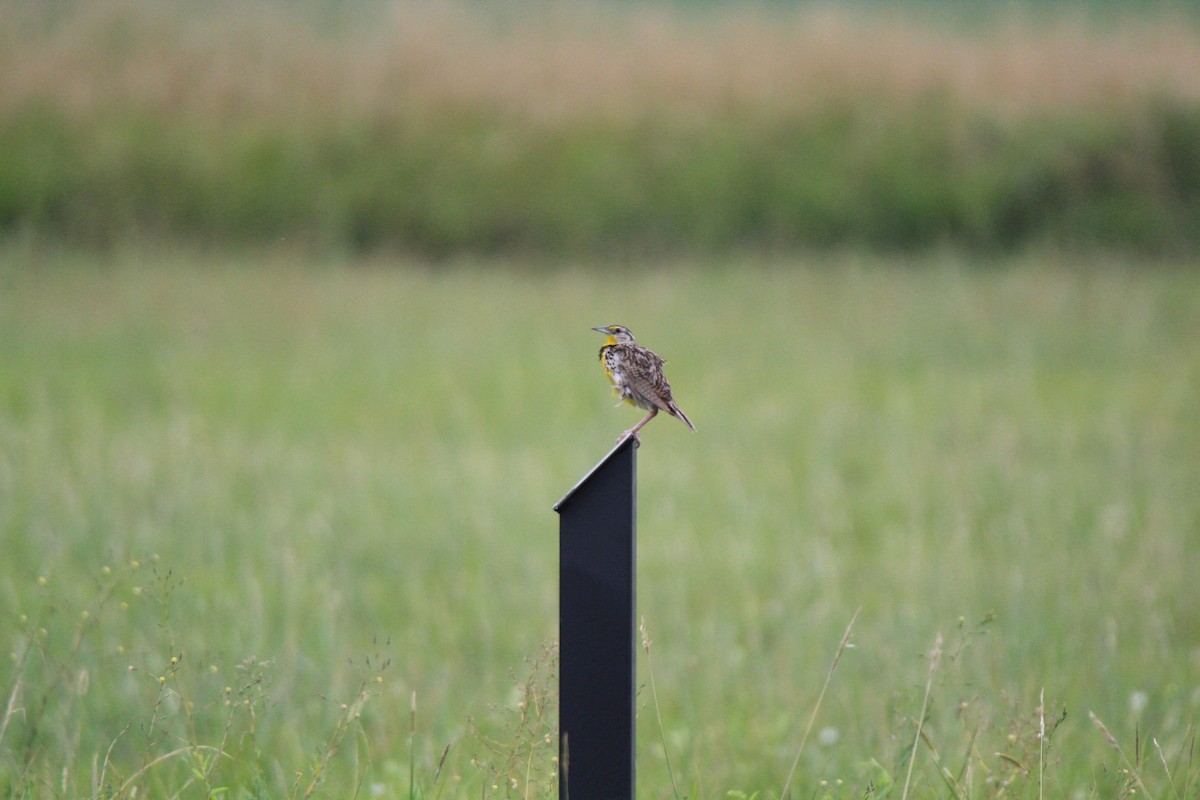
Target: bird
(637, 377)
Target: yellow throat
(604, 363)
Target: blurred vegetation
(233, 488)
(440, 128)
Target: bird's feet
(630, 434)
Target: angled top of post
(628, 441)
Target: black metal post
(596, 630)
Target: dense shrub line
(857, 164)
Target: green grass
(439, 129)
(320, 467)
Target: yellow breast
(604, 359)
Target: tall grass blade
(934, 657)
(812, 717)
(1114, 744)
(662, 733)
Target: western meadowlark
(637, 377)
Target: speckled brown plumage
(637, 376)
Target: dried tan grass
(554, 64)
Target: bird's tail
(676, 411)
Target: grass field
(444, 128)
(233, 489)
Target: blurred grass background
(294, 361)
(354, 460)
(443, 128)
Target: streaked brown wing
(644, 373)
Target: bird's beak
(600, 330)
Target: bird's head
(617, 334)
